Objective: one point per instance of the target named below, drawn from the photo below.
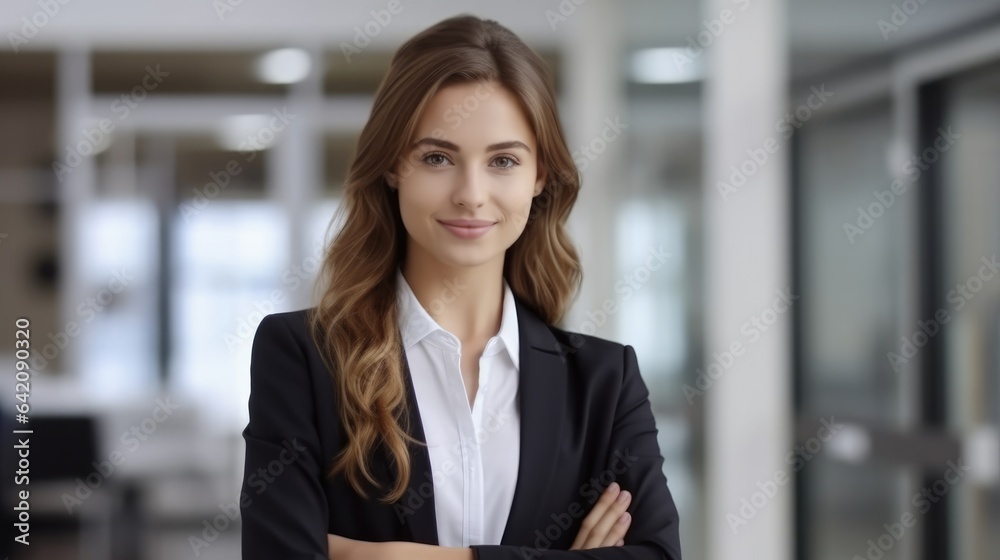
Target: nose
(472, 189)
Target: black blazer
(585, 421)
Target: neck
(465, 301)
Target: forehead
(474, 115)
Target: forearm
(417, 551)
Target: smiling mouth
(467, 231)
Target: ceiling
(823, 34)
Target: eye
(513, 162)
(427, 159)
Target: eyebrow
(453, 147)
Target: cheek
(417, 204)
(409, 209)
(517, 212)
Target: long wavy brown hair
(355, 322)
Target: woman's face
(468, 177)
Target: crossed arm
(605, 525)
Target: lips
(467, 229)
(467, 223)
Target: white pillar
(748, 415)
(75, 190)
(294, 166)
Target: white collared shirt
(475, 452)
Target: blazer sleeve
(282, 504)
(653, 534)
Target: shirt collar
(415, 323)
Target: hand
(607, 523)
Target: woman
(430, 375)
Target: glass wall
(851, 254)
(899, 327)
(971, 277)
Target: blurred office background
(792, 207)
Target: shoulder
(283, 340)
(293, 324)
(284, 364)
(603, 364)
(578, 350)
(607, 371)
(586, 345)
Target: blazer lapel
(542, 399)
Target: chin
(472, 257)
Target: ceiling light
(283, 66)
(665, 66)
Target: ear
(540, 182)
(391, 179)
